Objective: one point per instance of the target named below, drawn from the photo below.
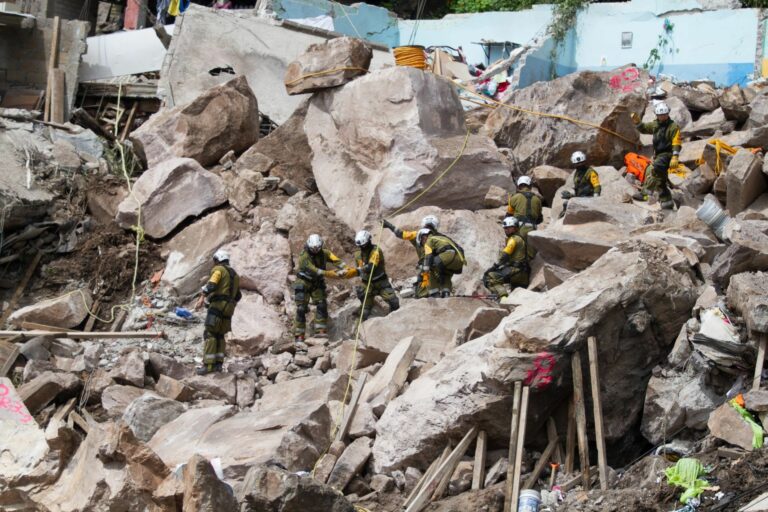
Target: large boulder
(678, 112)
(47, 387)
(191, 251)
(695, 99)
(758, 113)
(746, 252)
(734, 104)
(223, 118)
(203, 491)
(23, 441)
(744, 180)
(328, 64)
(748, 295)
(549, 179)
(256, 326)
(323, 388)
(637, 295)
(587, 96)
(381, 140)
(478, 233)
(145, 415)
(67, 311)
(709, 124)
(167, 194)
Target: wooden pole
(352, 409)
(478, 474)
(581, 418)
(552, 436)
(570, 438)
(512, 445)
(52, 58)
(426, 476)
(760, 361)
(519, 449)
(79, 335)
(58, 98)
(594, 373)
(543, 460)
(129, 122)
(20, 289)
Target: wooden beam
(427, 475)
(581, 418)
(129, 121)
(422, 499)
(92, 316)
(760, 361)
(597, 407)
(52, 59)
(118, 323)
(85, 120)
(570, 438)
(9, 351)
(519, 448)
(573, 482)
(552, 436)
(80, 335)
(347, 421)
(478, 474)
(22, 286)
(58, 96)
(34, 326)
(79, 421)
(539, 467)
(512, 445)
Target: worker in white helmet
(526, 207)
(586, 182)
(667, 144)
(423, 283)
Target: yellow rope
(326, 72)
(410, 56)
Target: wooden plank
(597, 407)
(79, 421)
(80, 335)
(8, 353)
(118, 323)
(519, 449)
(352, 409)
(58, 96)
(34, 326)
(573, 482)
(570, 438)
(92, 317)
(760, 361)
(22, 286)
(512, 446)
(422, 499)
(581, 418)
(539, 467)
(552, 436)
(129, 121)
(85, 120)
(427, 475)
(478, 474)
(52, 59)
(63, 411)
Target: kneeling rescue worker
(525, 206)
(586, 182)
(442, 259)
(369, 260)
(666, 150)
(221, 294)
(310, 285)
(512, 267)
(422, 285)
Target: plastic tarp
(686, 474)
(324, 22)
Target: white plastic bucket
(529, 501)
(713, 215)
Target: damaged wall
(258, 48)
(123, 53)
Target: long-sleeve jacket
(368, 260)
(223, 288)
(312, 267)
(666, 136)
(525, 206)
(514, 253)
(586, 182)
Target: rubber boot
(218, 367)
(205, 369)
(668, 204)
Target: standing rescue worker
(525, 206)
(512, 268)
(443, 258)
(666, 154)
(586, 182)
(221, 294)
(369, 261)
(310, 285)
(422, 285)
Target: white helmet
(314, 243)
(422, 232)
(430, 221)
(578, 157)
(510, 222)
(661, 108)
(220, 255)
(362, 238)
(524, 180)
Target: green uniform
(525, 206)
(442, 259)
(666, 144)
(222, 293)
(370, 265)
(512, 268)
(421, 286)
(310, 287)
(586, 183)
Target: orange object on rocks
(637, 165)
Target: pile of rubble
(102, 420)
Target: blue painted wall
(370, 22)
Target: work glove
(389, 225)
(635, 117)
(425, 280)
(351, 272)
(565, 194)
(675, 162)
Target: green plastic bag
(757, 430)
(686, 474)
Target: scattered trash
(182, 312)
(529, 501)
(686, 474)
(757, 431)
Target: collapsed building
(639, 328)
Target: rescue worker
(586, 182)
(512, 268)
(525, 206)
(422, 285)
(221, 294)
(443, 258)
(310, 285)
(369, 261)
(667, 144)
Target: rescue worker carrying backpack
(443, 258)
(512, 268)
(422, 285)
(586, 182)
(369, 261)
(221, 293)
(525, 206)
(310, 285)
(667, 144)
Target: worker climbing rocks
(422, 285)
(586, 182)
(310, 285)
(369, 261)
(525, 206)
(221, 294)
(443, 258)
(666, 150)
(512, 268)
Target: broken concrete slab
(576, 246)
(695, 99)
(173, 389)
(115, 399)
(220, 119)
(129, 369)
(350, 58)
(145, 415)
(757, 400)
(709, 124)
(323, 388)
(67, 311)
(168, 193)
(47, 387)
(734, 104)
(748, 296)
(549, 179)
(745, 181)
(218, 386)
(350, 463)
(389, 380)
(160, 364)
(746, 252)
(256, 326)
(727, 424)
(24, 444)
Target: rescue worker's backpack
(451, 254)
(637, 165)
